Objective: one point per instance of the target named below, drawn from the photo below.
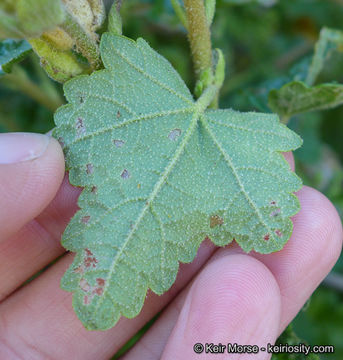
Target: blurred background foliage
(265, 43)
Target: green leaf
(329, 40)
(115, 25)
(11, 52)
(296, 97)
(160, 173)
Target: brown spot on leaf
(88, 252)
(87, 300)
(78, 270)
(84, 285)
(90, 260)
(275, 212)
(216, 220)
(85, 219)
(99, 291)
(266, 237)
(80, 126)
(89, 169)
(118, 143)
(125, 174)
(278, 233)
(174, 134)
(100, 281)
(61, 141)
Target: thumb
(31, 171)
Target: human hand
(224, 295)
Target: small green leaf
(329, 40)
(160, 172)
(180, 12)
(296, 98)
(11, 52)
(219, 72)
(115, 25)
(210, 8)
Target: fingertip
(290, 159)
(27, 187)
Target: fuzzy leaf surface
(160, 173)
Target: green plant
(155, 150)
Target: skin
(223, 296)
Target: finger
(159, 298)
(38, 242)
(41, 316)
(309, 255)
(235, 299)
(290, 159)
(31, 171)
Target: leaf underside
(160, 174)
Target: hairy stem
(85, 44)
(199, 35)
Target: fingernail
(18, 147)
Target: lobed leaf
(160, 173)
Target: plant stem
(85, 44)
(199, 35)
